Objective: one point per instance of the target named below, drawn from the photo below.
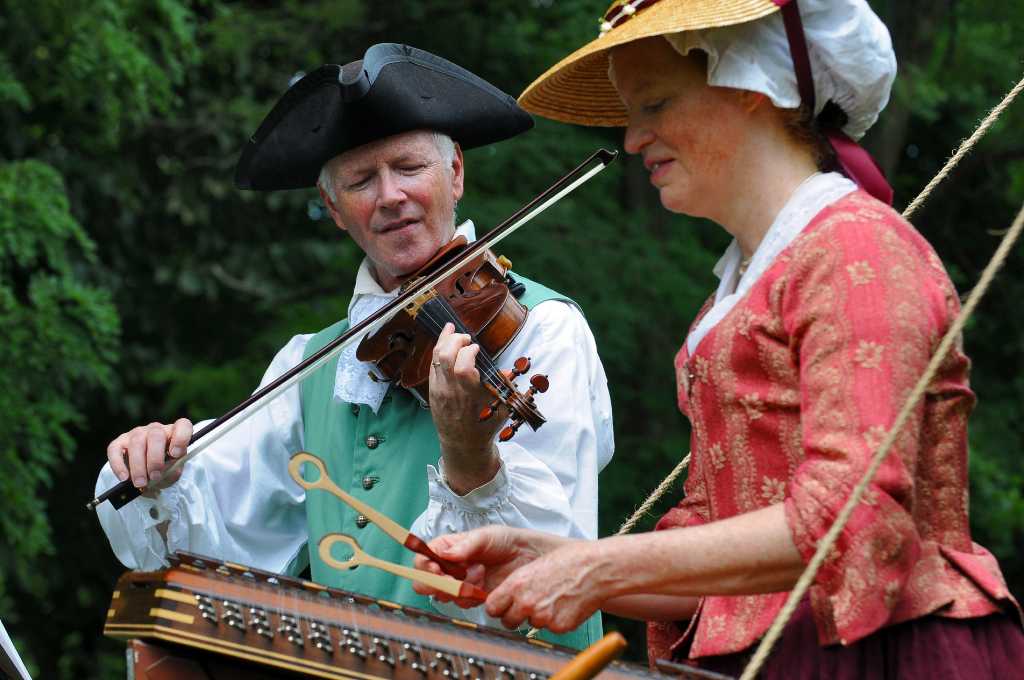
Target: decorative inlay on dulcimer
(307, 628)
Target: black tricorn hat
(392, 89)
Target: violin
(479, 299)
(125, 492)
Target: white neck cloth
(811, 197)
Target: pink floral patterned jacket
(790, 395)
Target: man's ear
(458, 174)
(332, 209)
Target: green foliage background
(136, 283)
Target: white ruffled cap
(851, 53)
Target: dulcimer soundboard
(302, 627)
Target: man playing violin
(382, 139)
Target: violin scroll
(521, 404)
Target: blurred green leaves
(59, 334)
(138, 284)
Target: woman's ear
(751, 101)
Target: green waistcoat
(381, 459)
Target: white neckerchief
(352, 381)
(811, 197)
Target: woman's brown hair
(807, 129)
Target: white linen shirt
(237, 502)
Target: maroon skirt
(929, 648)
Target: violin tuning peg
(510, 430)
(504, 262)
(540, 383)
(488, 411)
(521, 366)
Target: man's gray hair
(445, 146)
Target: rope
(658, 492)
(825, 545)
(954, 160)
(803, 583)
(965, 146)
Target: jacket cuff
(867, 568)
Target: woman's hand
(556, 583)
(491, 554)
(557, 591)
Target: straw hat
(577, 89)
(843, 53)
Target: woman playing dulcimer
(829, 308)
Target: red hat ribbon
(855, 161)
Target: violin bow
(125, 492)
